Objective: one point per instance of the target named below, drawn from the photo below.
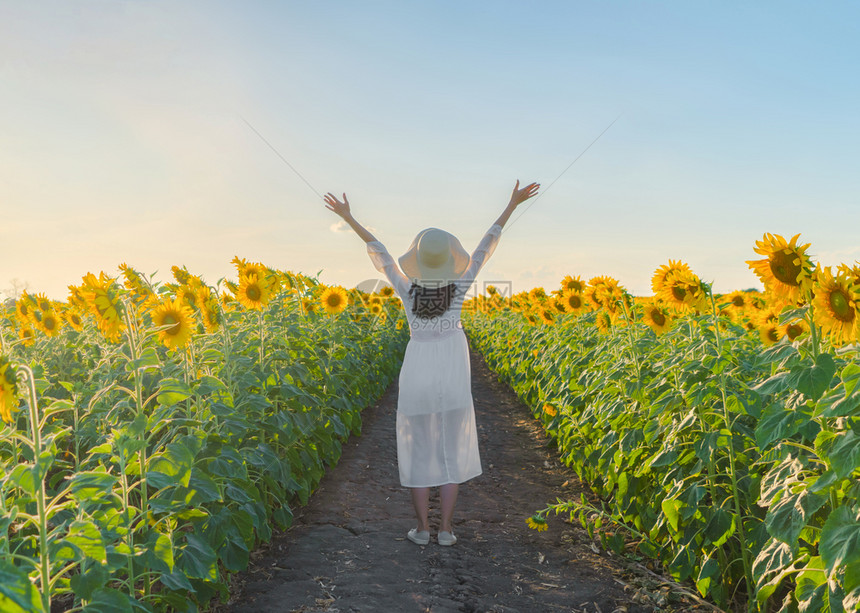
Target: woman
(437, 442)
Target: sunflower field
(720, 434)
(151, 435)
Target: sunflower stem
(35, 431)
(77, 418)
(134, 340)
(192, 365)
(4, 535)
(632, 344)
(262, 338)
(226, 341)
(813, 330)
(126, 509)
(745, 553)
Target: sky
(127, 135)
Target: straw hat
(435, 255)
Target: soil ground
(347, 549)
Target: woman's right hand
(341, 208)
(518, 196)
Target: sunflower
(25, 333)
(597, 297)
(310, 306)
(272, 279)
(852, 271)
(786, 268)
(603, 321)
(245, 268)
(300, 284)
(204, 294)
(662, 274)
(683, 291)
(657, 317)
(76, 298)
(549, 410)
(768, 316)
(531, 317)
(134, 281)
(210, 314)
(189, 295)
(604, 292)
(180, 319)
(399, 324)
(557, 306)
(255, 268)
(50, 323)
(240, 264)
(252, 294)
(574, 302)
(8, 390)
(725, 312)
(738, 299)
(545, 315)
(334, 300)
(536, 522)
(182, 276)
(769, 334)
(795, 328)
(228, 302)
(836, 306)
(24, 306)
(42, 302)
(73, 318)
(288, 282)
(101, 299)
(572, 284)
(537, 294)
(521, 301)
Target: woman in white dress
(437, 441)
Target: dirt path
(347, 549)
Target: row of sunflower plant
(151, 435)
(719, 433)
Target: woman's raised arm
(342, 209)
(518, 196)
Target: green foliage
(737, 466)
(160, 470)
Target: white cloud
(842, 256)
(341, 227)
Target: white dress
(437, 442)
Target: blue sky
(124, 140)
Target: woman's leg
(421, 502)
(448, 496)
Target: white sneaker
(446, 538)
(419, 538)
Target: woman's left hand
(341, 208)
